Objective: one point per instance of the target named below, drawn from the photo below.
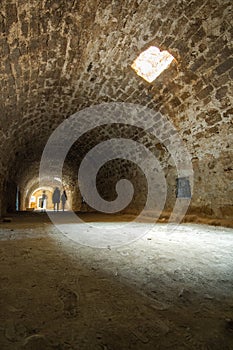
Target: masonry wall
(59, 57)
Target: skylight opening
(151, 63)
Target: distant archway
(33, 194)
(35, 200)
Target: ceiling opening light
(151, 63)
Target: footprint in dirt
(70, 302)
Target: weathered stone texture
(58, 57)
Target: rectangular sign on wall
(183, 189)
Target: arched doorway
(35, 200)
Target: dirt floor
(166, 290)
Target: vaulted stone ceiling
(58, 57)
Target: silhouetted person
(56, 198)
(63, 199)
(43, 201)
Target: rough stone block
(213, 117)
(205, 92)
(225, 66)
(220, 93)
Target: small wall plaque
(183, 189)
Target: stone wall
(58, 57)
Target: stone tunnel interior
(144, 154)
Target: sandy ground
(167, 290)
